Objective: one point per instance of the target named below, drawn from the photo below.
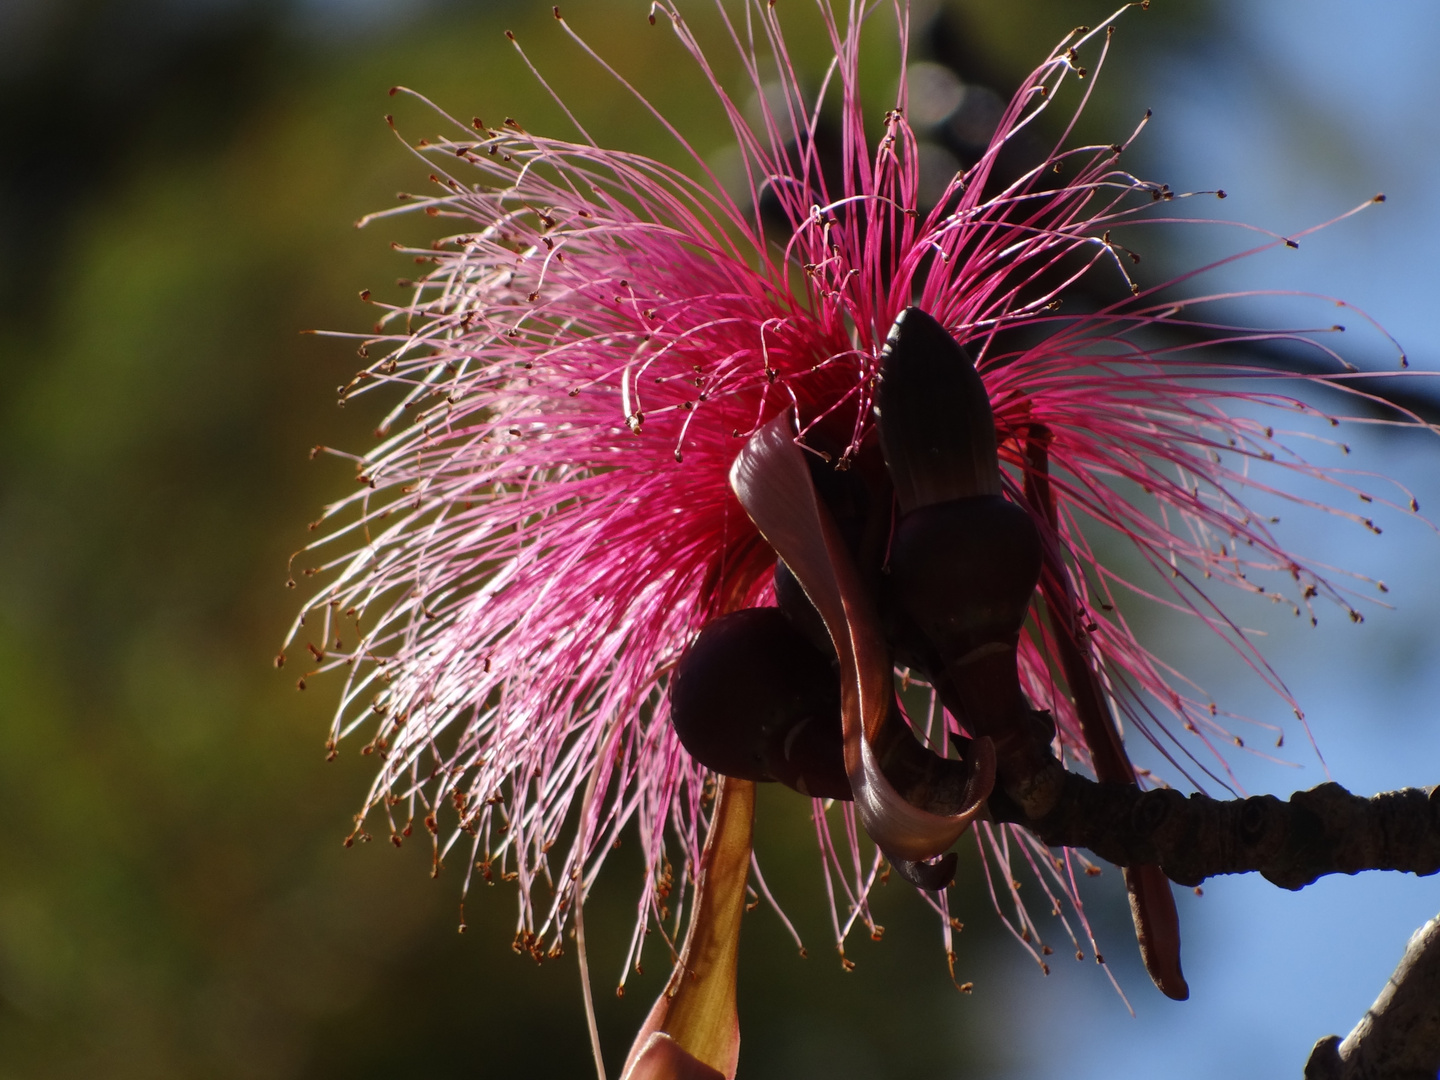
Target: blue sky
(1310, 108)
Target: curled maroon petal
(773, 484)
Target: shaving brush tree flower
(685, 481)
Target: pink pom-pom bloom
(549, 520)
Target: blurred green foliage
(174, 898)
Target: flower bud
(936, 428)
(753, 699)
(964, 571)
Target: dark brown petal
(936, 427)
(772, 482)
(1157, 928)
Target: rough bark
(1399, 1037)
(1325, 830)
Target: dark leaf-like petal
(1157, 928)
(936, 428)
(772, 482)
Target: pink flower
(549, 520)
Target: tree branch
(1399, 1037)
(1325, 830)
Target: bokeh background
(178, 183)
